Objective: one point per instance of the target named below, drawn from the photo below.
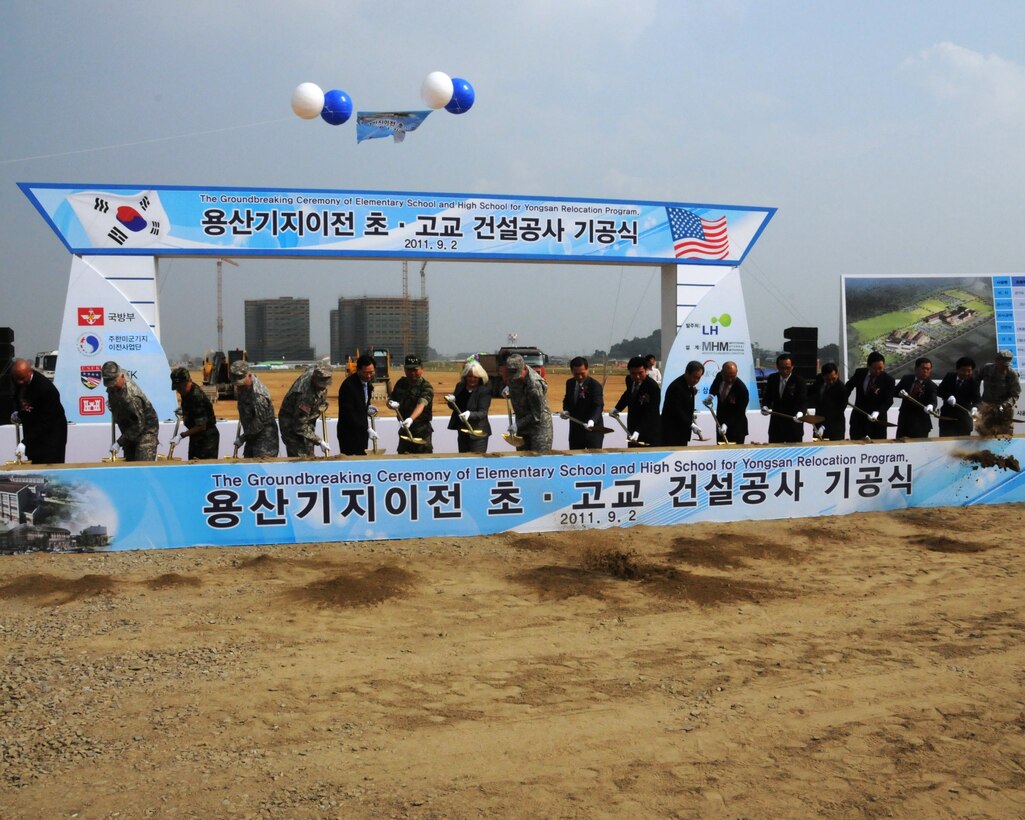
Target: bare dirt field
(870, 665)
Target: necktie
(916, 391)
(782, 387)
(366, 394)
(580, 390)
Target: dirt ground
(870, 665)
(444, 381)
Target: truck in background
(46, 363)
(533, 356)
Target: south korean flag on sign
(113, 221)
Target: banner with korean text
(202, 221)
(121, 507)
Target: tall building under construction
(398, 324)
(278, 329)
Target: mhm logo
(717, 322)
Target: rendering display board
(940, 317)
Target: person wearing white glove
(176, 439)
(19, 451)
(371, 411)
(471, 401)
(198, 417)
(733, 399)
(786, 395)
(584, 400)
(820, 431)
(874, 415)
(259, 428)
(372, 434)
(451, 398)
(239, 443)
(635, 436)
(958, 393)
(412, 398)
(355, 408)
(766, 411)
(696, 430)
(828, 396)
(724, 428)
(323, 445)
(951, 400)
(914, 420)
(37, 407)
(1001, 389)
(505, 392)
(874, 390)
(512, 429)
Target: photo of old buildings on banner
(124, 508)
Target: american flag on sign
(697, 238)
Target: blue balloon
(462, 97)
(337, 107)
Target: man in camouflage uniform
(1000, 391)
(300, 411)
(413, 399)
(133, 414)
(528, 393)
(197, 413)
(259, 429)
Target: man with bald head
(38, 408)
(731, 408)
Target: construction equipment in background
(382, 365)
(534, 357)
(407, 335)
(217, 383)
(46, 363)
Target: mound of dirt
(354, 590)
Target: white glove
(695, 430)
(451, 397)
(371, 411)
(798, 415)
(114, 448)
(707, 402)
(512, 429)
(590, 424)
(614, 413)
(407, 423)
(323, 445)
(372, 433)
(239, 442)
(394, 405)
(178, 412)
(176, 439)
(635, 435)
(465, 415)
(15, 418)
(820, 431)
(874, 415)
(975, 412)
(723, 428)
(766, 411)
(904, 394)
(505, 392)
(929, 408)
(19, 451)
(564, 415)
(951, 400)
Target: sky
(888, 135)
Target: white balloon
(308, 100)
(436, 90)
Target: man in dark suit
(355, 409)
(584, 401)
(873, 390)
(959, 387)
(641, 400)
(912, 420)
(731, 410)
(38, 408)
(785, 393)
(678, 422)
(829, 398)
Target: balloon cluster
(335, 107)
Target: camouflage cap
(1005, 356)
(412, 361)
(179, 375)
(239, 370)
(514, 365)
(322, 372)
(111, 370)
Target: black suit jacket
(44, 426)
(642, 410)
(878, 399)
(793, 400)
(477, 404)
(678, 413)
(912, 420)
(830, 402)
(352, 417)
(586, 408)
(731, 411)
(953, 420)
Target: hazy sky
(888, 134)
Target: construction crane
(406, 330)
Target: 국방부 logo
(89, 344)
(91, 375)
(91, 316)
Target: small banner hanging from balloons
(439, 90)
